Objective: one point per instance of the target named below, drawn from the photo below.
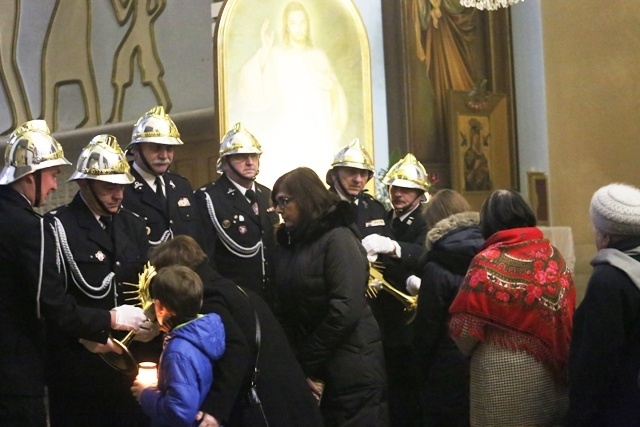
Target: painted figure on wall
(139, 42)
(476, 163)
(9, 72)
(447, 38)
(288, 90)
(68, 41)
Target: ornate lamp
(488, 4)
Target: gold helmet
(354, 155)
(157, 127)
(237, 141)
(408, 173)
(103, 160)
(30, 148)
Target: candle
(147, 374)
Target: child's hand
(136, 389)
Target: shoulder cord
(167, 235)
(78, 279)
(230, 244)
(253, 392)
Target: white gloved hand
(128, 317)
(376, 244)
(148, 331)
(376, 284)
(413, 285)
(96, 347)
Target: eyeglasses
(283, 202)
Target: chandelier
(488, 4)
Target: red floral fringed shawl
(519, 294)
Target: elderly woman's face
(287, 207)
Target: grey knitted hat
(615, 210)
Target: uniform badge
(241, 218)
(100, 256)
(148, 231)
(171, 184)
(375, 223)
(231, 191)
(242, 229)
(183, 202)
(226, 223)
(137, 185)
(410, 221)
(255, 208)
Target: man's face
(158, 156)
(110, 196)
(404, 199)
(352, 180)
(298, 26)
(48, 183)
(242, 167)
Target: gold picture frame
(302, 103)
(481, 151)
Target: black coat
(177, 212)
(88, 390)
(27, 250)
(604, 360)
(242, 227)
(282, 387)
(322, 274)
(443, 369)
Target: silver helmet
(237, 141)
(157, 127)
(30, 148)
(103, 160)
(408, 173)
(354, 155)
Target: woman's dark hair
(180, 289)
(308, 192)
(504, 210)
(444, 203)
(181, 250)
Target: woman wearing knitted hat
(605, 347)
(513, 316)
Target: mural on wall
(59, 61)
(9, 72)
(68, 41)
(139, 41)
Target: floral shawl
(518, 293)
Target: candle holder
(147, 374)
(125, 361)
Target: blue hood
(206, 333)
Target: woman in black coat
(281, 386)
(452, 241)
(321, 278)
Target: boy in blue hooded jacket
(192, 344)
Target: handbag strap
(253, 391)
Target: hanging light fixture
(488, 4)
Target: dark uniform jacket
(177, 213)
(282, 387)
(241, 230)
(370, 215)
(321, 276)
(95, 255)
(31, 289)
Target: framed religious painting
(481, 150)
(297, 75)
(539, 196)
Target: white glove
(413, 285)
(376, 244)
(376, 284)
(148, 331)
(128, 317)
(96, 347)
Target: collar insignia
(100, 256)
(183, 202)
